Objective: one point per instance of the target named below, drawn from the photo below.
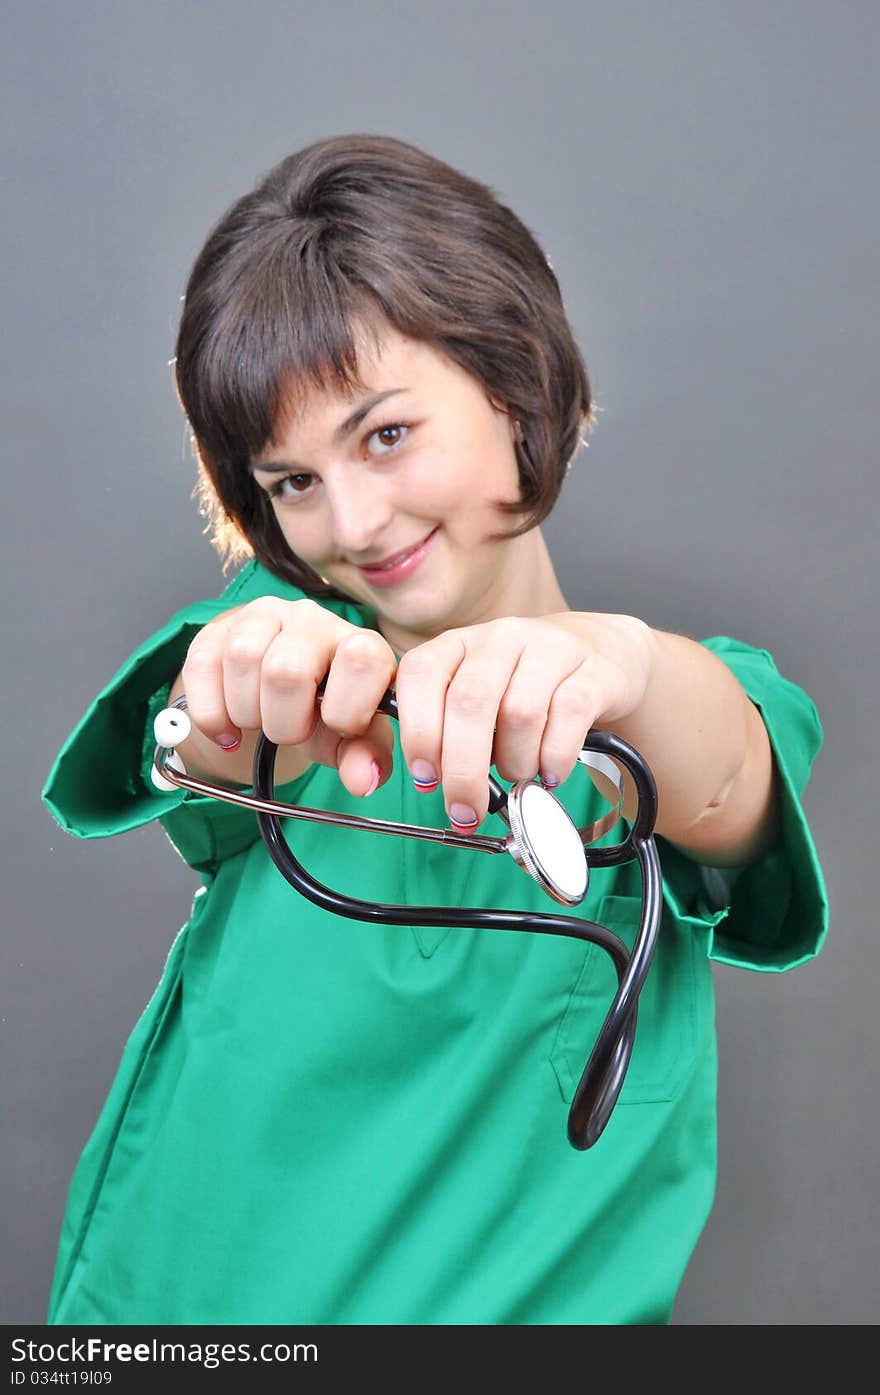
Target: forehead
(386, 359)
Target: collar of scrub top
(543, 841)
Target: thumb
(355, 757)
(360, 757)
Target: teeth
(387, 566)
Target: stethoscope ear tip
(172, 760)
(171, 726)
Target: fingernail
(228, 741)
(424, 776)
(377, 774)
(462, 816)
(549, 781)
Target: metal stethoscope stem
(603, 1075)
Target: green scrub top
(322, 1121)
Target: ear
(517, 435)
(514, 426)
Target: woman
(318, 1121)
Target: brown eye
(299, 484)
(388, 437)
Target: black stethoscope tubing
(603, 1075)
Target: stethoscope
(543, 840)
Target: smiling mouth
(390, 563)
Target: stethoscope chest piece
(545, 843)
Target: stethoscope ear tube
(603, 1076)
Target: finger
(470, 716)
(524, 728)
(423, 677)
(363, 668)
(572, 711)
(248, 637)
(293, 665)
(202, 677)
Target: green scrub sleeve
(99, 783)
(773, 914)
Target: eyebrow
(341, 434)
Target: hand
(258, 666)
(516, 694)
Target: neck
(531, 588)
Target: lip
(405, 565)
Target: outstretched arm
(705, 742)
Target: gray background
(704, 179)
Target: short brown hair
(365, 228)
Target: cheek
(457, 474)
(487, 468)
(303, 536)
(426, 487)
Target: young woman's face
(390, 494)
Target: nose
(360, 511)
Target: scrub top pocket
(668, 1029)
